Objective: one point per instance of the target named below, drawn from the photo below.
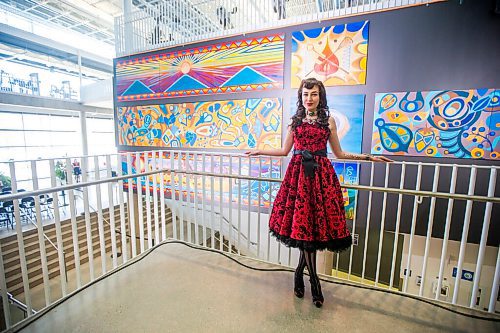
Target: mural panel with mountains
(253, 64)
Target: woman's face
(310, 98)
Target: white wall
(451, 260)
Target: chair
(46, 205)
(28, 208)
(5, 218)
(8, 206)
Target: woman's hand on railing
(380, 159)
(254, 152)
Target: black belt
(308, 160)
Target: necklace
(309, 120)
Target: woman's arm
(334, 141)
(283, 151)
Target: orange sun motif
(185, 66)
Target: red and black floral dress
(308, 212)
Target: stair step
(32, 250)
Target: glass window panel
(37, 138)
(64, 138)
(33, 121)
(11, 138)
(58, 123)
(10, 120)
(14, 153)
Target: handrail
(57, 249)
(18, 304)
(417, 193)
(109, 223)
(145, 238)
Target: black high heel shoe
(317, 295)
(298, 288)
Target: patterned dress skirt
(308, 212)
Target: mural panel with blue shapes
(232, 124)
(451, 123)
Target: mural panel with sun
(336, 55)
(451, 123)
(233, 124)
(253, 64)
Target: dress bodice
(310, 137)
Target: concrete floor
(180, 289)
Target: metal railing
(19, 305)
(412, 222)
(159, 24)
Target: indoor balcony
(190, 251)
(154, 24)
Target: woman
(77, 170)
(308, 212)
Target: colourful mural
(253, 64)
(336, 55)
(451, 123)
(348, 173)
(347, 110)
(245, 190)
(236, 124)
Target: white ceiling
(93, 18)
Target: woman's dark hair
(322, 110)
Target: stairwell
(10, 250)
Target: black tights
(302, 264)
(307, 258)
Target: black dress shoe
(317, 295)
(298, 288)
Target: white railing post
(138, 168)
(41, 240)
(465, 233)
(111, 209)
(162, 198)
(57, 221)
(484, 236)
(430, 224)
(382, 224)
(100, 218)
(447, 227)
(88, 225)
(413, 225)
(74, 226)
(495, 285)
(398, 224)
(148, 200)
(154, 167)
(123, 226)
(368, 218)
(131, 205)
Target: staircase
(10, 249)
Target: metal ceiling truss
(62, 13)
